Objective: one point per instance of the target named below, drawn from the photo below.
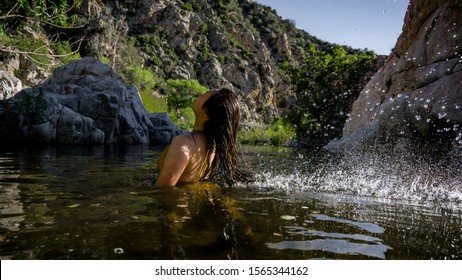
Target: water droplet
(118, 251)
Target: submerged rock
(83, 102)
(415, 100)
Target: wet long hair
(221, 130)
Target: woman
(209, 152)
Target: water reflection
(334, 246)
(370, 227)
(11, 209)
(201, 219)
(349, 243)
(99, 203)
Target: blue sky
(371, 24)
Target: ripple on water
(321, 232)
(338, 246)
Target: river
(70, 202)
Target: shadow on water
(99, 203)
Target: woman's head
(221, 108)
(222, 111)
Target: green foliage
(43, 52)
(145, 81)
(326, 86)
(64, 51)
(104, 60)
(205, 54)
(222, 58)
(55, 12)
(186, 121)
(276, 134)
(180, 94)
(130, 53)
(188, 7)
(153, 104)
(233, 41)
(36, 50)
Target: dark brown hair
(221, 130)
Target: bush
(276, 134)
(326, 86)
(64, 51)
(54, 12)
(181, 93)
(145, 81)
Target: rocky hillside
(235, 43)
(415, 100)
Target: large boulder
(83, 102)
(415, 100)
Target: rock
(9, 85)
(416, 98)
(165, 129)
(86, 103)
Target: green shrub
(326, 86)
(221, 58)
(104, 60)
(153, 104)
(145, 81)
(181, 93)
(188, 7)
(276, 134)
(185, 121)
(60, 13)
(64, 51)
(142, 78)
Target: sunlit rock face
(416, 98)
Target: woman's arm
(175, 162)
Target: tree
(326, 86)
(181, 93)
(56, 13)
(52, 12)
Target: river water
(100, 203)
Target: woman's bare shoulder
(182, 140)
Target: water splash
(367, 175)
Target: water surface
(100, 203)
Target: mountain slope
(234, 43)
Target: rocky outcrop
(9, 85)
(83, 102)
(233, 44)
(415, 100)
(218, 55)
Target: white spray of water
(367, 176)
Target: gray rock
(87, 103)
(9, 85)
(417, 96)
